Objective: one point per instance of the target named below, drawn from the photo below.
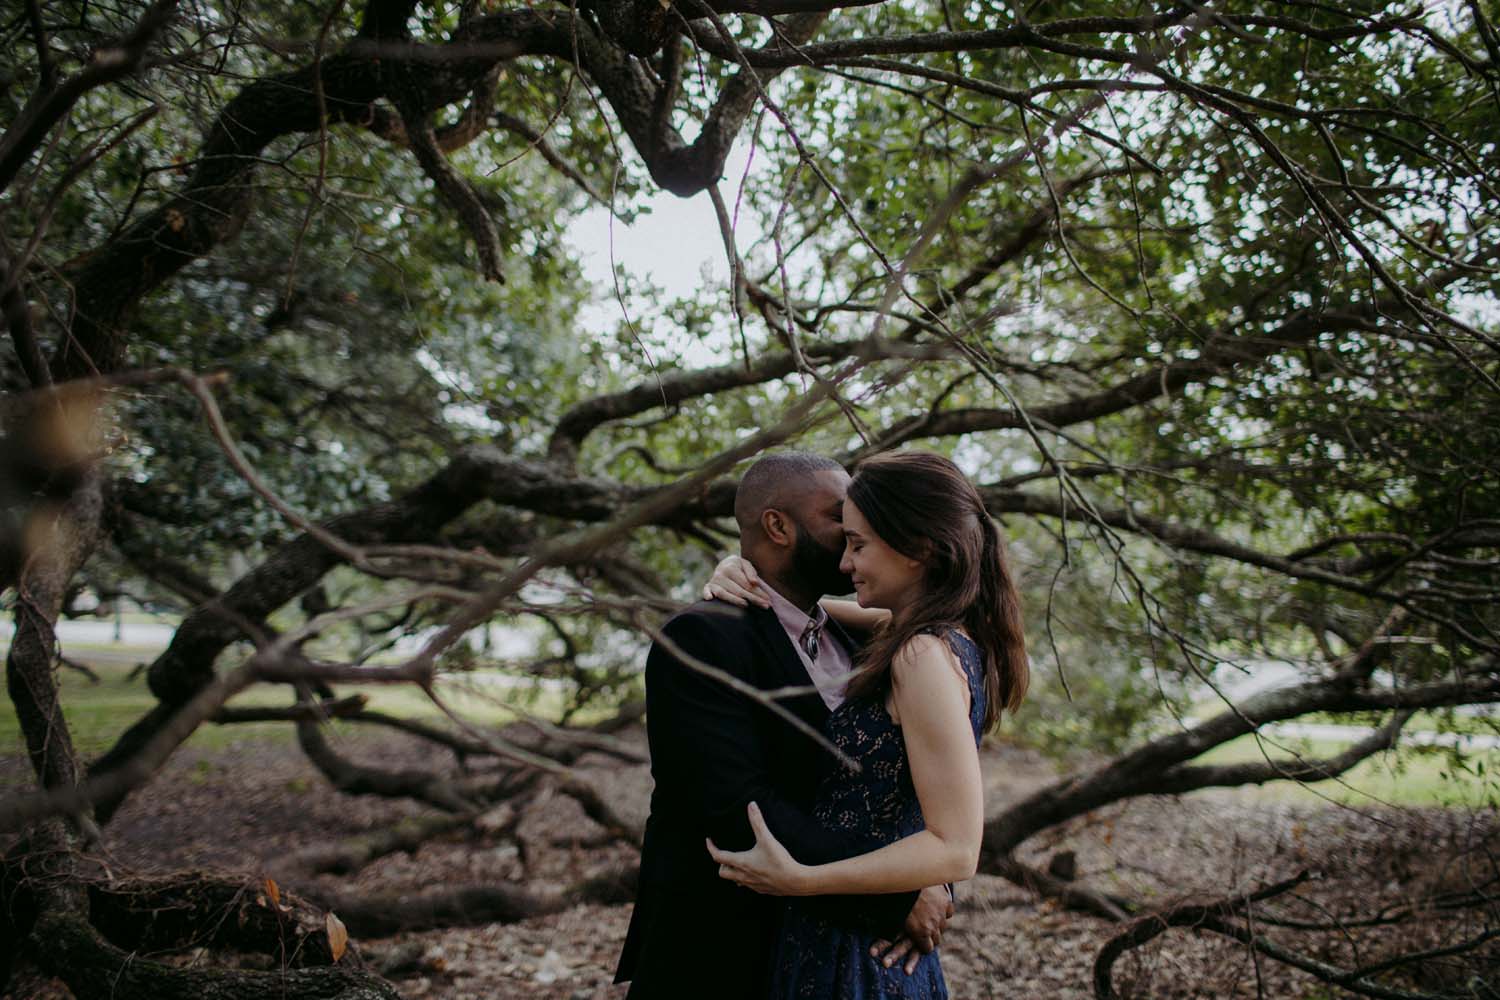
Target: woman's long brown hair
(922, 506)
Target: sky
(676, 244)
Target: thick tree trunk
(68, 946)
(62, 538)
(89, 930)
(151, 914)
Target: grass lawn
(1476, 724)
(98, 713)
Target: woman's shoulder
(929, 649)
(952, 636)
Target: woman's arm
(850, 615)
(931, 697)
(736, 582)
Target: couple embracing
(770, 868)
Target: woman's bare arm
(735, 582)
(932, 698)
(850, 615)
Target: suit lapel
(786, 669)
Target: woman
(947, 656)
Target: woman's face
(883, 577)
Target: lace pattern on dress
(815, 957)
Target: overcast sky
(672, 244)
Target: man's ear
(777, 526)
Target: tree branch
(1150, 925)
(1220, 353)
(17, 313)
(48, 105)
(1185, 778)
(1138, 772)
(456, 190)
(382, 915)
(674, 387)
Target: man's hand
(924, 928)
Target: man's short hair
(776, 480)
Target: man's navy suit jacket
(713, 750)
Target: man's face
(819, 518)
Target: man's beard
(817, 567)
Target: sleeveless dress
(814, 957)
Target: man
(714, 750)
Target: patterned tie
(808, 640)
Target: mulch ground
(242, 809)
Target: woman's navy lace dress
(819, 959)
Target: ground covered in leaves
(246, 808)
